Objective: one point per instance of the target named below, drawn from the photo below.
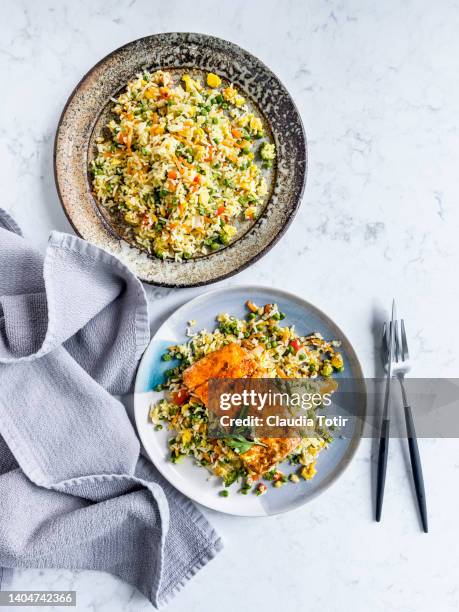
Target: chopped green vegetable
(267, 151)
(239, 443)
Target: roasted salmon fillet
(260, 459)
(231, 361)
(234, 361)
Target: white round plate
(195, 481)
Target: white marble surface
(377, 85)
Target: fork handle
(382, 465)
(416, 467)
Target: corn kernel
(337, 361)
(213, 80)
(309, 471)
(187, 436)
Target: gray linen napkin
(74, 492)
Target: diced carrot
(178, 163)
(156, 129)
(236, 133)
(220, 210)
(172, 174)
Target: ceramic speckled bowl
(82, 118)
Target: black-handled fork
(398, 364)
(387, 354)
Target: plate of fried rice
(253, 333)
(183, 155)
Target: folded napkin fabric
(74, 492)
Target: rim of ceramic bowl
(292, 210)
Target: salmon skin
(231, 361)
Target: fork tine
(405, 354)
